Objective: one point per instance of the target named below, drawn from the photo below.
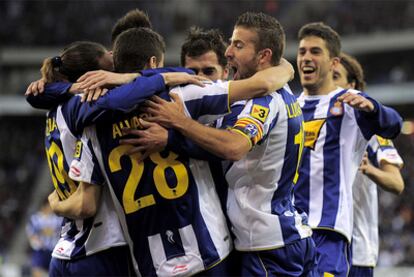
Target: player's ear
(265, 56)
(335, 62)
(152, 63)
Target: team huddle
(214, 168)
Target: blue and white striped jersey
(336, 136)
(78, 238)
(65, 123)
(259, 202)
(167, 203)
(43, 230)
(365, 244)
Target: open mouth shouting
(308, 71)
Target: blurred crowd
(44, 22)
(396, 213)
(21, 155)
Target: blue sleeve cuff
(54, 95)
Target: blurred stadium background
(379, 33)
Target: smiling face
(241, 54)
(315, 66)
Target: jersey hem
(333, 230)
(264, 248)
(87, 253)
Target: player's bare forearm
(226, 144)
(388, 177)
(262, 82)
(80, 205)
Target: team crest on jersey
(78, 149)
(259, 112)
(383, 141)
(312, 131)
(337, 109)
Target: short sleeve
(84, 166)
(386, 152)
(257, 118)
(205, 104)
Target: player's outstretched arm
(262, 82)
(81, 204)
(387, 176)
(104, 79)
(53, 94)
(227, 144)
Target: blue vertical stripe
(332, 166)
(282, 198)
(172, 243)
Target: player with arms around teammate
(266, 143)
(380, 166)
(175, 234)
(91, 241)
(338, 125)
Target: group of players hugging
(214, 168)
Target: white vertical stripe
(189, 240)
(67, 139)
(210, 207)
(316, 171)
(157, 250)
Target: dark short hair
(269, 31)
(354, 70)
(75, 60)
(199, 42)
(134, 47)
(133, 19)
(323, 31)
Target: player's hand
(36, 87)
(357, 101)
(53, 199)
(93, 94)
(179, 78)
(366, 167)
(101, 78)
(167, 114)
(153, 138)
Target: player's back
(261, 184)
(168, 201)
(79, 238)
